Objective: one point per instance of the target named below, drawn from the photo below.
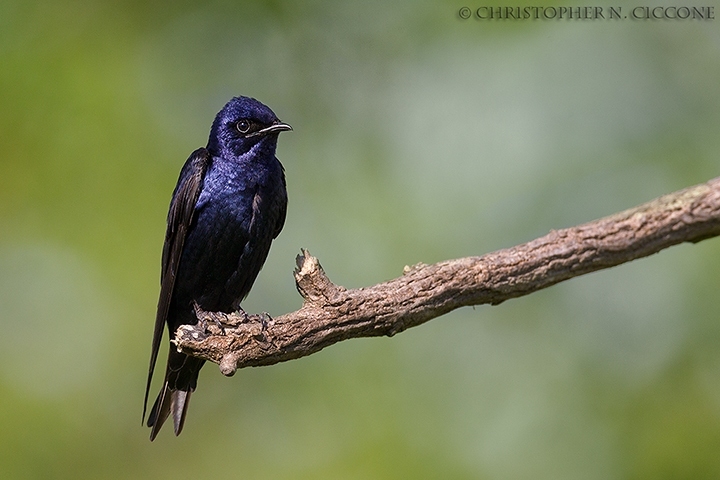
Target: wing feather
(180, 217)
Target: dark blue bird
(229, 204)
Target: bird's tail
(174, 397)
(169, 401)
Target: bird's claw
(218, 323)
(244, 317)
(265, 320)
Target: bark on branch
(331, 313)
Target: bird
(229, 204)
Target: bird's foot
(232, 321)
(265, 320)
(251, 322)
(226, 320)
(216, 317)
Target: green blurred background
(418, 137)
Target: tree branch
(331, 313)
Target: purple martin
(228, 206)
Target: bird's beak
(275, 127)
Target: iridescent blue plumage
(228, 206)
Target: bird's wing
(280, 222)
(179, 219)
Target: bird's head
(242, 124)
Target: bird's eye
(243, 126)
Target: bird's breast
(235, 207)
